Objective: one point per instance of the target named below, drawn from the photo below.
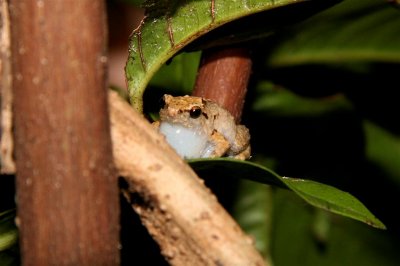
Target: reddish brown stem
(67, 192)
(223, 77)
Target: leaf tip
(376, 223)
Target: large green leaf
(171, 25)
(319, 195)
(354, 30)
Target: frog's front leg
(240, 148)
(156, 124)
(243, 155)
(220, 145)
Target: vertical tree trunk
(67, 193)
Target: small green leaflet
(317, 194)
(8, 230)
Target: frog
(199, 128)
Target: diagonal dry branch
(181, 214)
(6, 144)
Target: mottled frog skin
(199, 128)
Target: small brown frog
(200, 128)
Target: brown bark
(181, 214)
(223, 77)
(67, 193)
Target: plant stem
(223, 77)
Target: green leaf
(354, 30)
(8, 230)
(344, 242)
(318, 195)
(171, 25)
(280, 102)
(179, 75)
(383, 150)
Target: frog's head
(188, 111)
(182, 123)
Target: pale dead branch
(181, 214)
(6, 143)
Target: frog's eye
(195, 112)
